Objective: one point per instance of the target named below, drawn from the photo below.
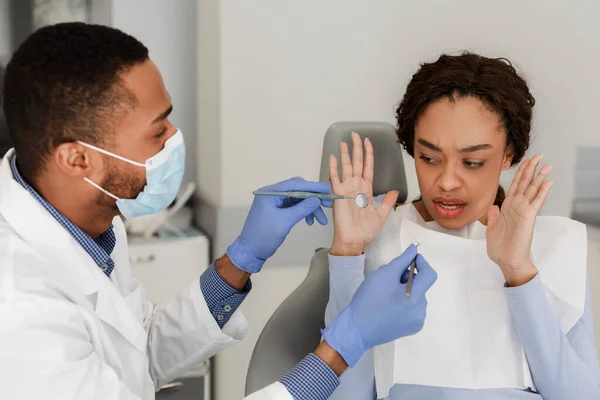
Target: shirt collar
(99, 249)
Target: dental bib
(469, 340)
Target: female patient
(464, 119)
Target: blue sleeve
(563, 367)
(222, 299)
(345, 276)
(310, 379)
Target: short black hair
(4, 141)
(64, 84)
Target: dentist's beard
(121, 183)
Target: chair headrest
(389, 168)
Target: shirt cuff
(347, 262)
(518, 292)
(221, 298)
(528, 305)
(311, 379)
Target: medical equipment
(176, 219)
(166, 218)
(411, 274)
(361, 199)
(360, 325)
(265, 230)
(164, 173)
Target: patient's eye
(428, 160)
(473, 164)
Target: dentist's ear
(73, 159)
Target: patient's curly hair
(494, 81)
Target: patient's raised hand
(510, 228)
(356, 228)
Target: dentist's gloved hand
(272, 218)
(380, 311)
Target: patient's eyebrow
(468, 149)
(477, 147)
(429, 145)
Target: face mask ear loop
(101, 189)
(108, 153)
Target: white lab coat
(67, 331)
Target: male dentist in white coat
(88, 114)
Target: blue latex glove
(271, 219)
(380, 311)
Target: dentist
(88, 114)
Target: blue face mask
(164, 173)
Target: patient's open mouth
(448, 207)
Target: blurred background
(255, 85)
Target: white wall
(289, 69)
(209, 96)
(5, 29)
(168, 29)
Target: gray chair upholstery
(389, 167)
(294, 330)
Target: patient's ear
(507, 158)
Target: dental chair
(294, 330)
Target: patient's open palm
(510, 228)
(356, 228)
